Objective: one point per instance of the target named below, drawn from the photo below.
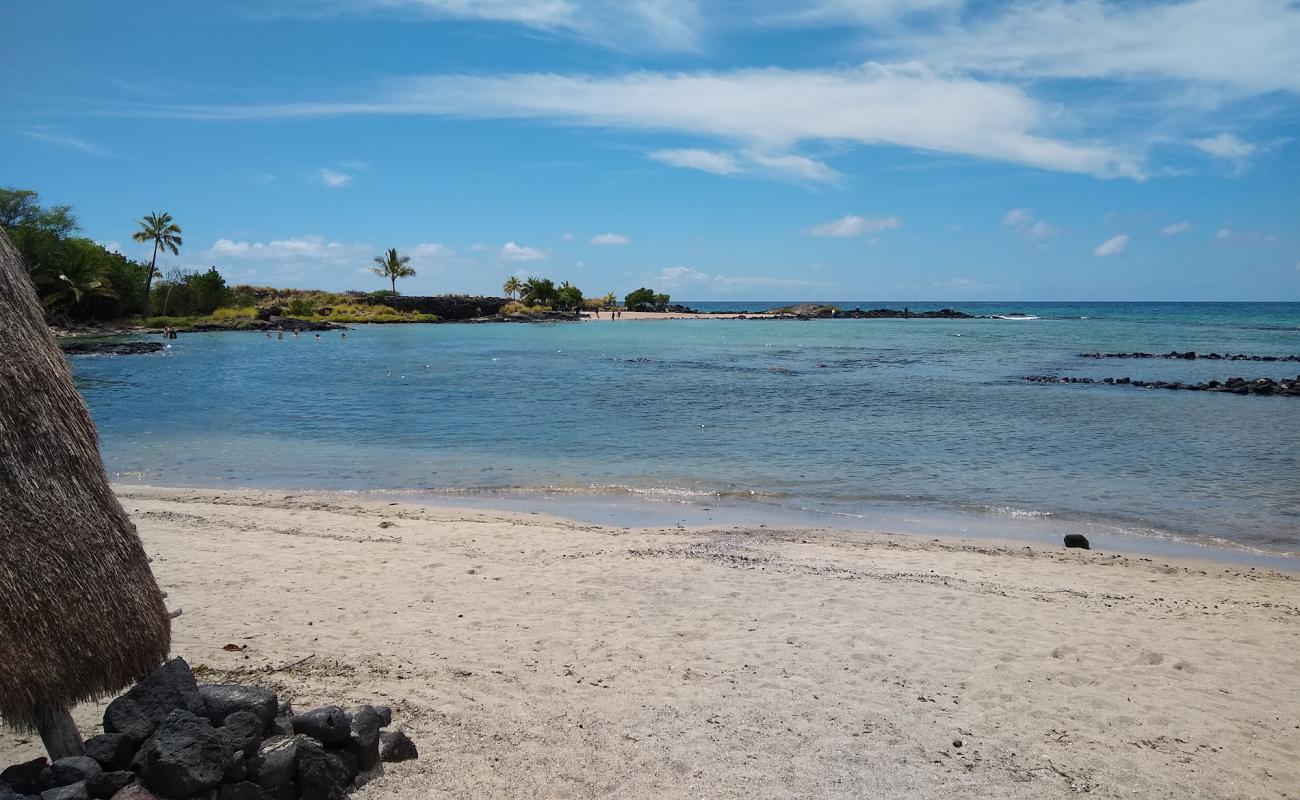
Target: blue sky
(830, 149)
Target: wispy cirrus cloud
(765, 114)
(1023, 222)
(1177, 228)
(1113, 246)
(610, 239)
(53, 135)
(681, 278)
(853, 225)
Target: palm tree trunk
(393, 278)
(148, 281)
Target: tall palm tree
(512, 286)
(392, 266)
(163, 232)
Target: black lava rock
(222, 700)
(321, 774)
(135, 792)
(243, 790)
(7, 793)
(185, 756)
(73, 791)
(364, 742)
(236, 769)
(287, 792)
(385, 715)
(113, 751)
(243, 732)
(1077, 540)
(396, 746)
(276, 761)
(73, 769)
(327, 724)
(107, 784)
(144, 707)
(29, 777)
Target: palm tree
(512, 286)
(164, 233)
(392, 266)
(82, 275)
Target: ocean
(910, 425)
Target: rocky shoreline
(1260, 386)
(1191, 355)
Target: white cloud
(686, 278)
(1022, 221)
(567, 237)
(1112, 246)
(428, 251)
(1243, 46)
(852, 225)
(50, 134)
(516, 252)
(767, 112)
(1227, 146)
(703, 160)
(1227, 236)
(1177, 228)
(610, 239)
(333, 178)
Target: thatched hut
(82, 616)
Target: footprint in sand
(1149, 659)
(1064, 651)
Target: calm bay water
(893, 424)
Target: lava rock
(140, 711)
(276, 761)
(185, 756)
(224, 699)
(244, 790)
(29, 777)
(364, 742)
(135, 792)
(385, 715)
(1077, 540)
(321, 774)
(396, 746)
(73, 769)
(73, 791)
(112, 348)
(107, 784)
(7, 793)
(243, 732)
(282, 725)
(350, 763)
(327, 724)
(236, 769)
(113, 751)
(287, 792)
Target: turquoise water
(894, 424)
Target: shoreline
(529, 655)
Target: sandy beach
(536, 657)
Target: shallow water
(870, 422)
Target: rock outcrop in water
(1286, 387)
(1190, 355)
(111, 348)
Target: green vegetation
(164, 233)
(393, 266)
(512, 287)
(644, 299)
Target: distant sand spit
(530, 656)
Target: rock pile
(1190, 355)
(170, 737)
(1286, 387)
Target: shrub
(515, 307)
(301, 307)
(223, 314)
(169, 322)
(644, 299)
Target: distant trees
(539, 292)
(393, 266)
(568, 297)
(644, 299)
(512, 287)
(187, 293)
(163, 231)
(73, 275)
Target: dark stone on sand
(29, 777)
(396, 746)
(321, 774)
(72, 769)
(107, 784)
(385, 715)
(276, 762)
(243, 732)
(185, 756)
(221, 700)
(243, 790)
(113, 751)
(327, 724)
(364, 741)
(1077, 540)
(73, 791)
(144, 707)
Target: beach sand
(535, 657)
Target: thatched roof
(80, 613)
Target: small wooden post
(59, 733)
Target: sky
(712, 149)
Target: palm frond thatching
(82, 615)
